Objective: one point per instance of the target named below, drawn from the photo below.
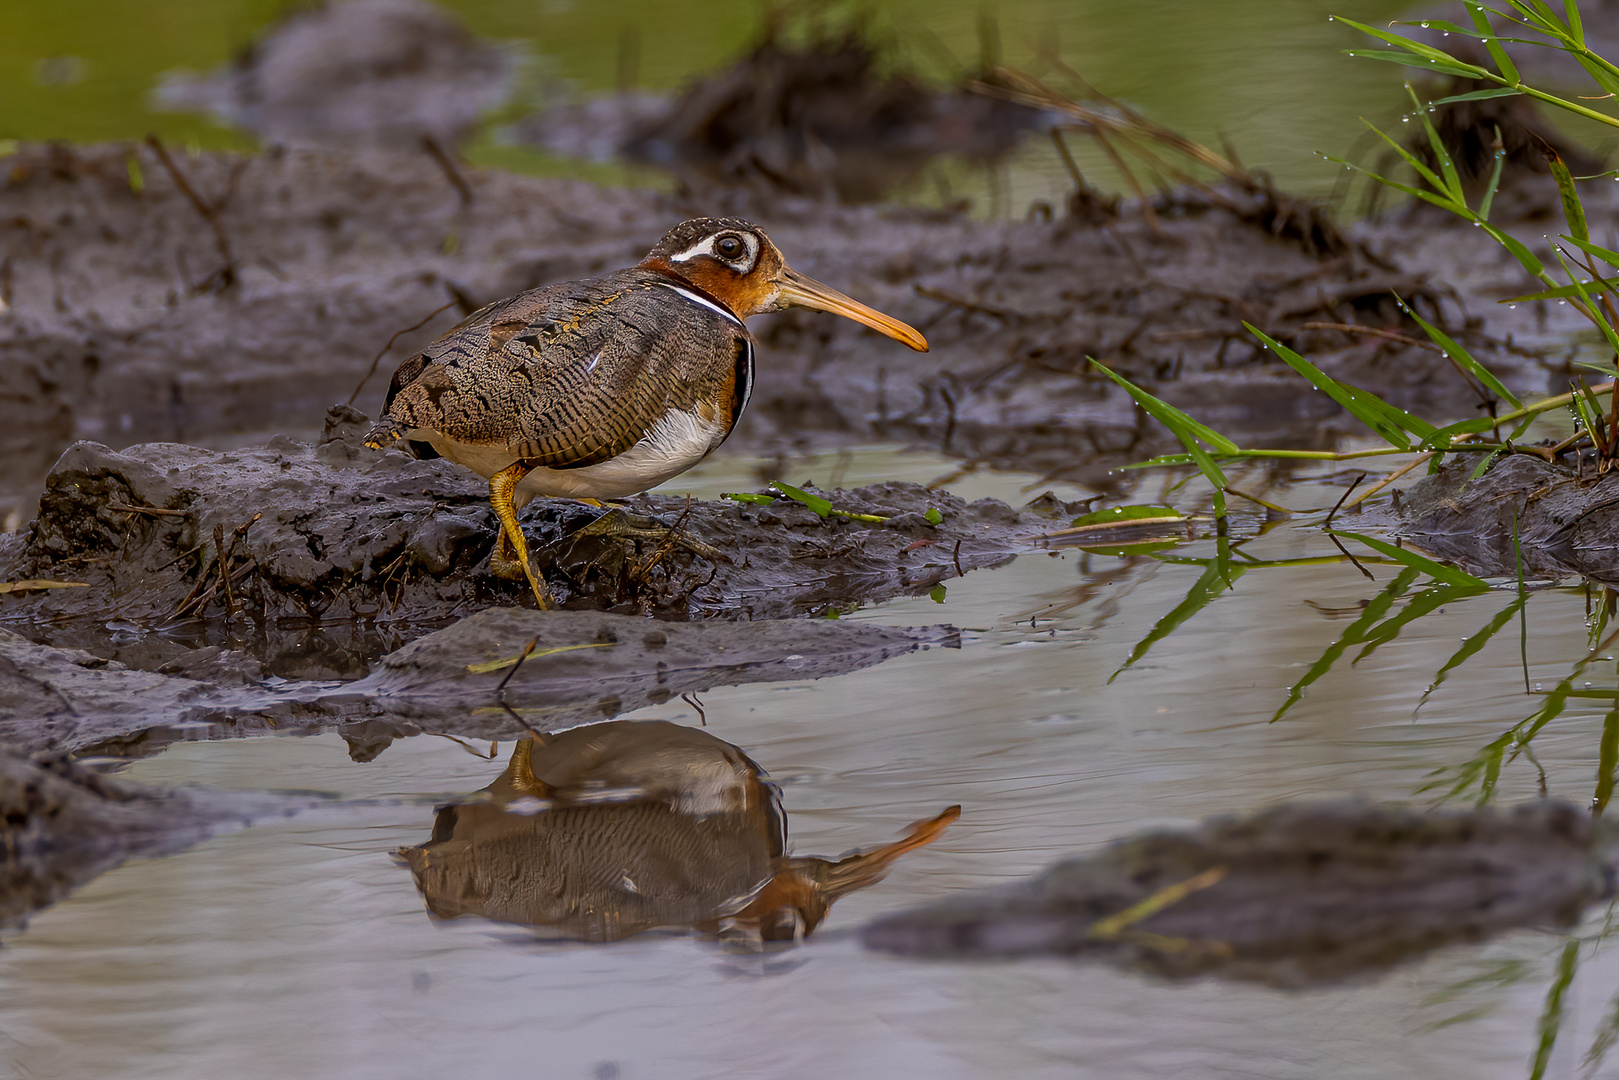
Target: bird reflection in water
(601, 832)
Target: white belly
(676, 443)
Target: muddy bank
(135, 313)
(584, 666)
(1566, 520)
(1295, 896)
(62, 824)
(290, 531)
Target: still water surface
(299, 948)
(1268, 75)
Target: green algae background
(1266, 74)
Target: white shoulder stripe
(694, 298)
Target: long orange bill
(807, 292)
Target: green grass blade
(1445, 437)
(821, 506)
(1593, 309)
(1539, 15)
(1571, 15)
(1425, 602)
(1563, 292)
(1422, 170)
(1353, 634)
(1461, 356)
(1218, 577)
(1478, 95)
(1453, 182)
(1472, 645)
(1448, 575)
(1600, 71)
(1502, 61)
(1607, 762)
(1607, 1035)
(1188, 431)
(1426, 52)
(1489, 459)
(1215, 441)
(1551, 1015)
(1607, 255)
(1449, 67)
(1525, 257)
(1499, 156)
(1366, 408)
(1414, 192)
(1573, 210)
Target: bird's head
(734, 262)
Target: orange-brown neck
(742, 294)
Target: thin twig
(1348, 491)
(372, 370)
(1374, 331)
(1326, 525)
(154, 511)
(1257, 501)
(691, 699)
(527, 649)
(447, 164)
(209, 211)
(1389, 479)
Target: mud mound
(821, 119)
(1566, 521)
(576, 667)
(1294, 896)
(163, 532)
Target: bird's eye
(729, 247)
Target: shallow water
(84, 71)
(299, 948)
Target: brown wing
(573, 374)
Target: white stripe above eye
(705, 246)
(694, 298)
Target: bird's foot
(616, 524)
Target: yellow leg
(501, 486)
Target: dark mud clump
(62, 824)
(495, 674)
(1294, 896)
(821, 119)
(1547, 518)
(338, 531)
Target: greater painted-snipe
(605, 387)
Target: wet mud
(496, 674)
(163, 533)
(1552, 519)
(1295, 896)
(136, 312)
